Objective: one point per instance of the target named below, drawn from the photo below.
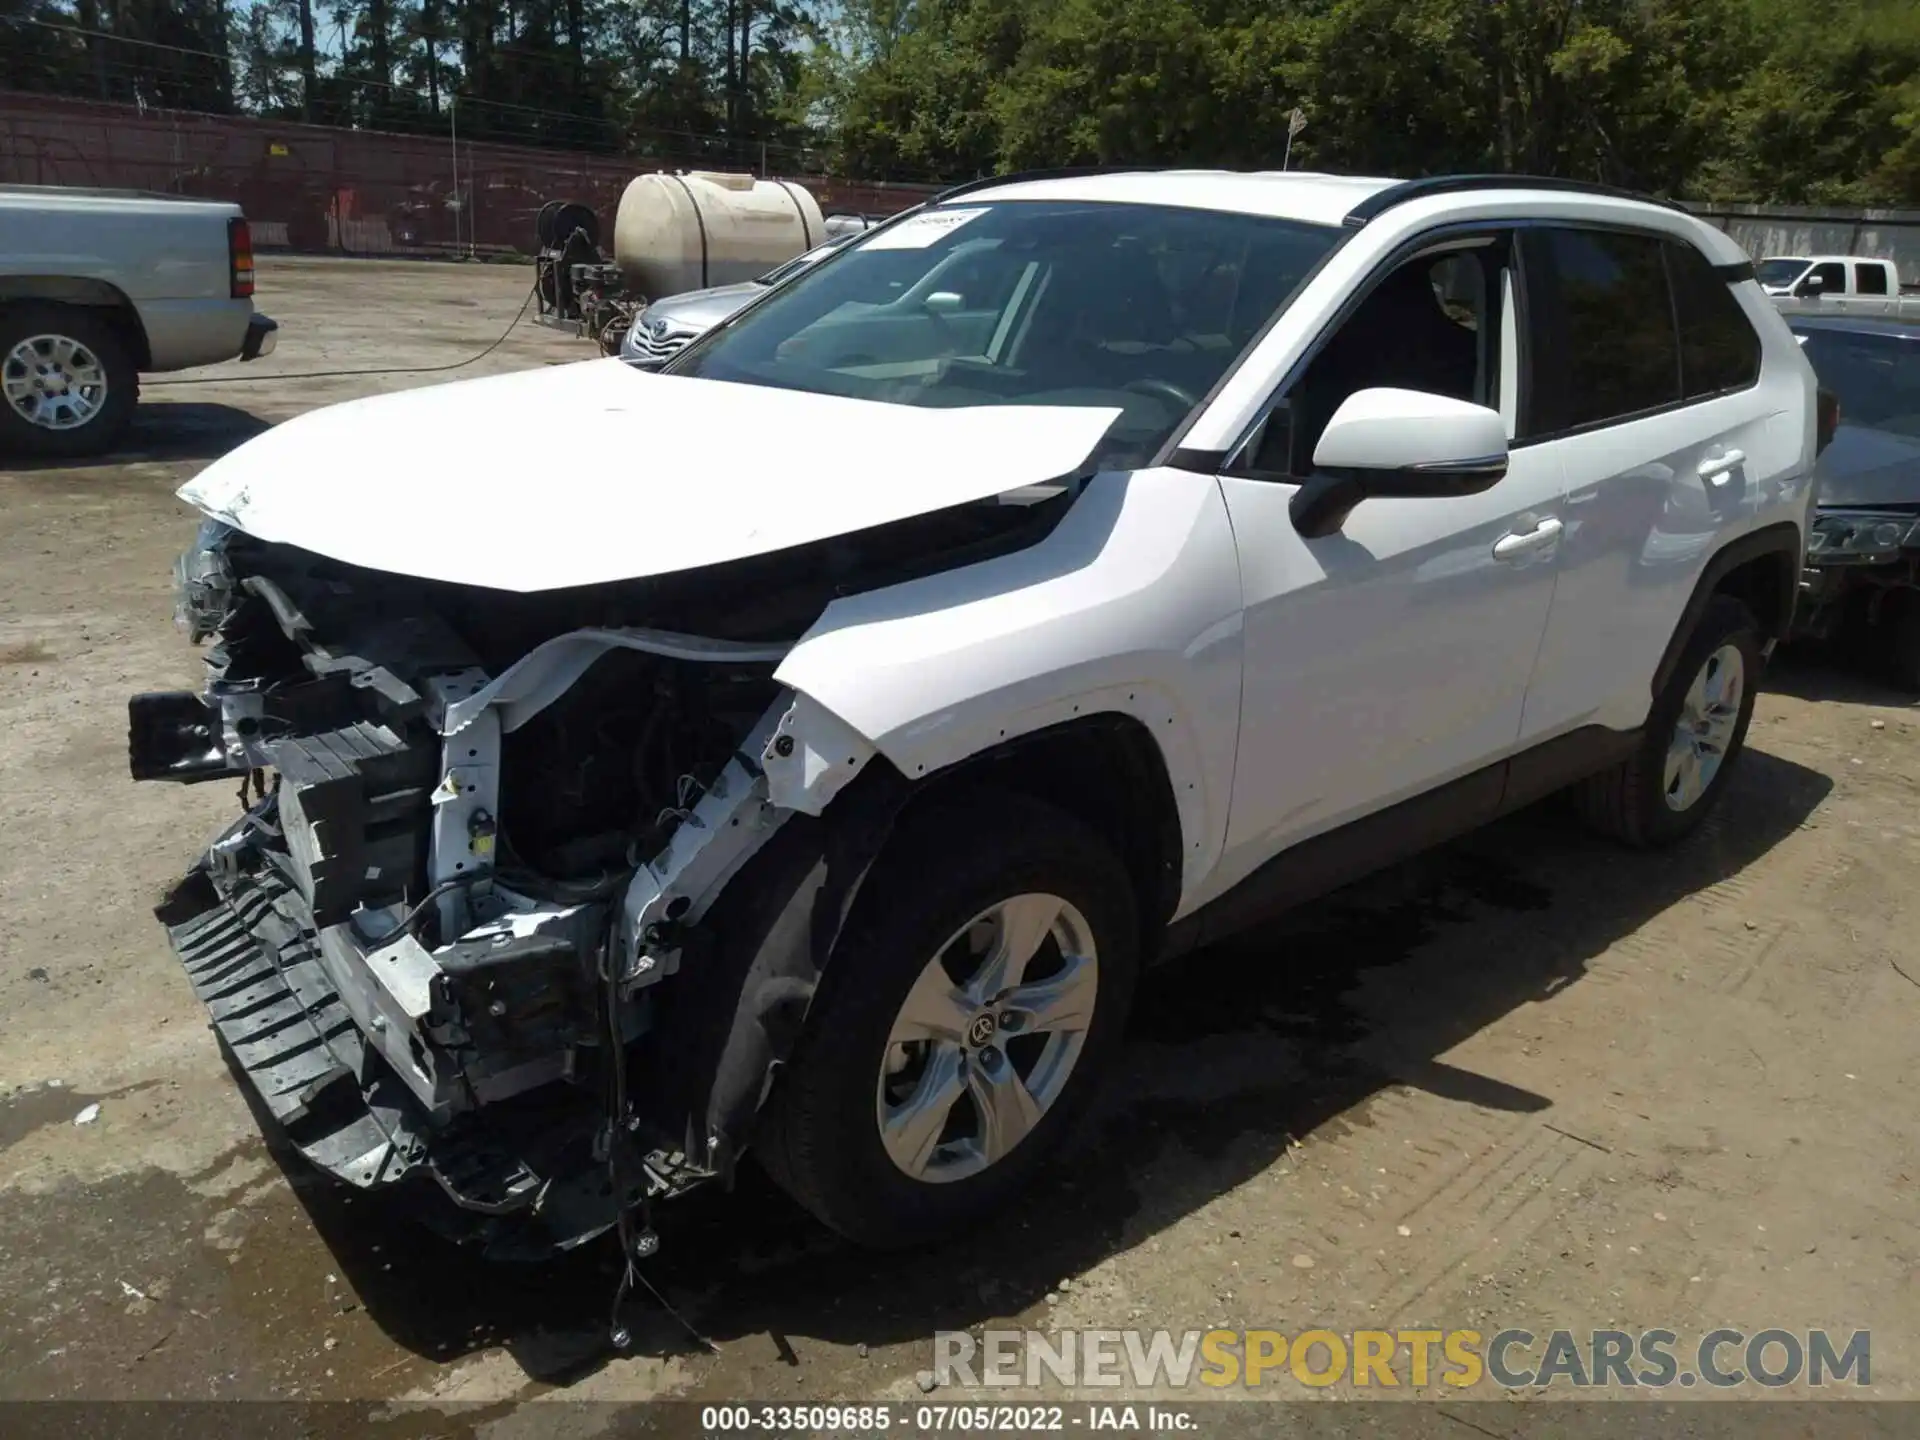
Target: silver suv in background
(668, 325)
(98, 286)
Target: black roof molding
(1374, 206)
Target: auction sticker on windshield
(917, 232)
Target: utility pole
(453, 132)
(308, 79)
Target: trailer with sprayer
(673, 232)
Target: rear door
(1650, 402)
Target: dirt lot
(1529, 1080)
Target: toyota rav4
(808, 757)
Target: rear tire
(920, 929)
(1660, 793)
(67, 381)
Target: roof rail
(1064, 172)
(1379, 203)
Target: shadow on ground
(169, 430)
(1810, 671)
(1234, 1053)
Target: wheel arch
(1106, 770)
(1760, 569)
(725, 1024)
(81, 290)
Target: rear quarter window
(1719, 350)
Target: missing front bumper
(526, 1177)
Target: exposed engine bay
(470, 925)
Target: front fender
(1130, 605)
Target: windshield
(1140, 308)
(1876, 377)
(1780, 270)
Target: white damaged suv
(807, 754)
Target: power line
(578, 125)
(582, 128)
(84, 32)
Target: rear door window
(1719, 350)
(1870, 279)
(1603, 322)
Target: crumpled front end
(288, 1009)
(434, 936)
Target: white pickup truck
(1836, 284)
(99, 286)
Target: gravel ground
(1528, 1080)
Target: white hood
(585, 473)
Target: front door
(1392, 656)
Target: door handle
(1717, 467)
(1512, 547)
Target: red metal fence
(312, 187)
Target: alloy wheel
(54, 382)
(987, 1038)
(1709, 715)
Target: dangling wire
(635, 1244)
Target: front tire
(67, 381)
(1695, 731)
(965, 1019)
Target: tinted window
(1607, 347)
(1877, 377)
(1780, 270)
(1718, 349)
(1870, 279)
(1141, 308)
(1832, 277)
(1427, 325)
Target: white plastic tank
(675, 233)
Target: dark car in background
(1861, 585)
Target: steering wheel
(1162, 390)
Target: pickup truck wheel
(67, 381)
(965, 1019)
(1694, 733)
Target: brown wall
(311, 187)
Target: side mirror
(944, 302)
(1403, 443)
(1810, 288)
